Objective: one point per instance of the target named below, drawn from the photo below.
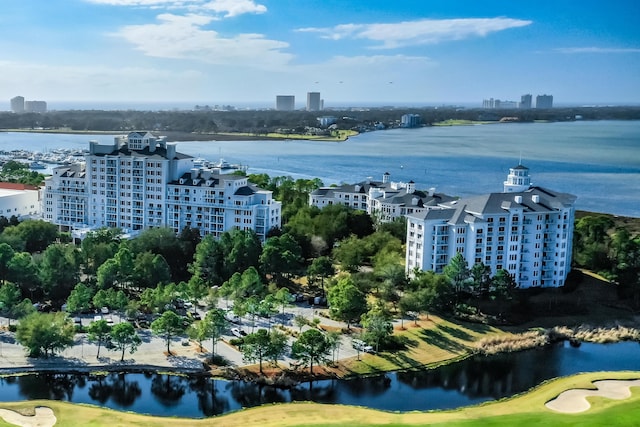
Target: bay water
(598, 161)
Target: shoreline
(178, 136)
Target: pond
(471, 381)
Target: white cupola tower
(518, 180)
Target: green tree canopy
(263, 345)
(123, 336)
(59, 269)
(347, 302)
(168, 326)
(43, 334)
(311, 348)
(99, 332)
(80, 298)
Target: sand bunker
(575, 400)
(43, 417)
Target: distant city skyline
(374, 52)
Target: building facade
(410, 120)
(285, 102)
(19, 200)
(525, 230)
(17, 104)
(141, 181)
(384, 199)
(313, 101)
(544, 101)
(526, 101)
(35, 106)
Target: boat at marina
(37, 165)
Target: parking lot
(152, 351)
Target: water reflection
(471, 381)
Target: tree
(311, 347)
(23, 271)
(377, 326)
(283, 297)
(300, 321)
(59, 269)
(334, 343)
(123, 336)
(199, 331)
(37, 235)
(151, 269)
(263, 345)
(10, 295)
(98, 332)
(167, 326)
(481, 275)
(503, 284)
(80, 298)
(98, 246)
(457, 272)
(6, 255)
(108, 273)
(410, 304)
(347, 302)
(216, 322)
(350, 253)
(281, 257)
(45, 333)
(321, 267)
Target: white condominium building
(19, 200)
(387, 200)
(141, 181)
(525, 230)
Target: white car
(232, 317)
(239, 333)
(362, 346)
(104, 310)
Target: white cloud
(224, 8)
(182, 37)
(423, 31)
(593, 49)
(232, 8)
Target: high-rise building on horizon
(525, 101)
(544, 101)
(285, 102)
(17, 104)
(410, 120)
(313, 101)
(35, 106)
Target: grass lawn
(460, 122)
(341, 135)
(428, 343)
(525, 409)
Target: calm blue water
(598, 161)
(471, 381)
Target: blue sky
(359, 52)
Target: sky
(354, 52)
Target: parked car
(239, 333)
(362, 346)
(104, 310)
(232, 317)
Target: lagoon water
(475, 380)
(598, 161)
